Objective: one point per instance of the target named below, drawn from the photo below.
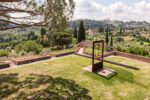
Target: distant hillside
(21, 30)
(112, 24)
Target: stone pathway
(81, 50)
(81, 53)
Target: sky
(124, 10)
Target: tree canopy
(26, 13)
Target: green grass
(126, 85)
(89, 51)
(144, 43)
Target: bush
(4, 45)
(29, 46)
(32, 36)
(134, 50)
(43, 42)
(3, 53)
(119, 39)
(61, 39)
(141, 43)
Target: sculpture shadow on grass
(122, 76)
(37, 87)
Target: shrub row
(3, 53)
(134, 50)
(29, 46)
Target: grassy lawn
(126, 85)
(89, 51)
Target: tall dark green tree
(101, 29)
(81, 33)
(42, 32)
(121, 29)
(111, 41)
(107, 35)
(75, 33)
(107, 38)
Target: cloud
(94, 9)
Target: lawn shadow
(9, 84)
(35, 87)
(123, 75)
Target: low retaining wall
(105, 55)
(127, 55)
(86, 56)
(109, 54)
(64, 54)
(87, 53)
(131, 56)
(21, 61)
(4, 65)
(30, 59)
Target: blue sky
(125, 10)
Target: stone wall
(127, 55)
(26, 60)
(65, 54)
(131, 56)
(4, 65)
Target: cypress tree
(121, 30)
(111, 41)
(107, 38)
(107, 35)
(101, 29)
(81, 33)
(42, 32)
(75, 33)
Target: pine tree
(81, 33)
(75, 33)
